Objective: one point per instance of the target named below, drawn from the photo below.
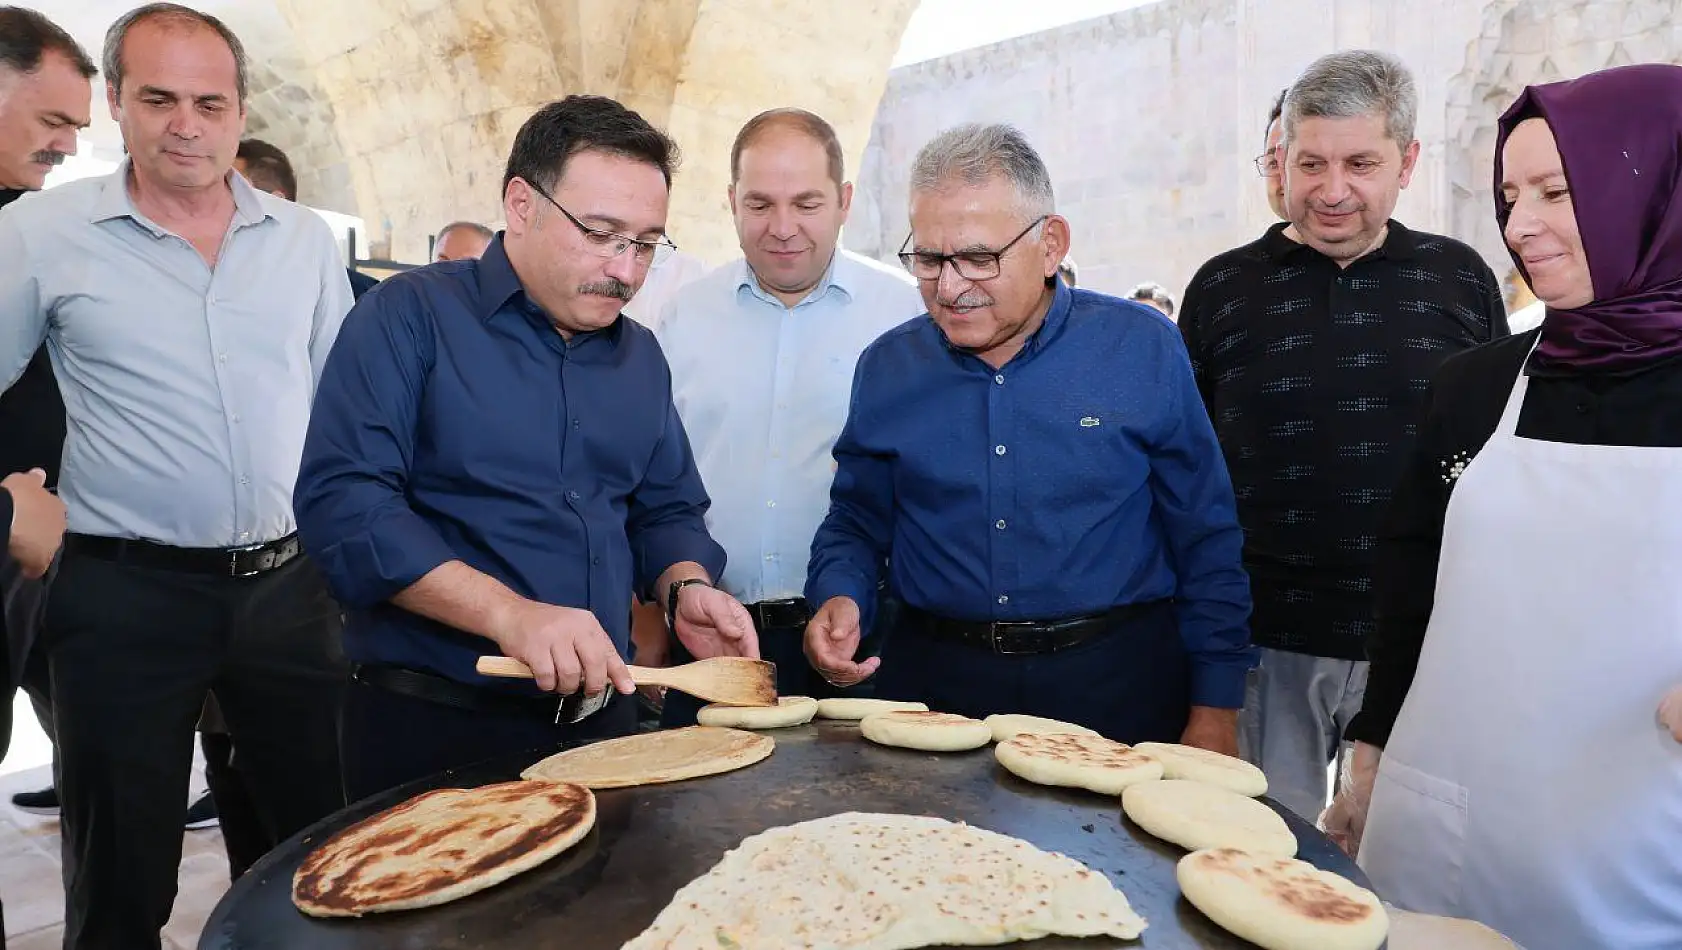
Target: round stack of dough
(1281, 903)
(789, 711)
(1210, 768)
(1196, 816)
(1073, 760)
(1007, 726)
(852, 710)
(926, 731)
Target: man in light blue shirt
(762, 353)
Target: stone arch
(426, 95)
(1524, 43)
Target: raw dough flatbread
(852, 710)
(441, 846)
(887, 882)
(1007, 726)
(926, 731)
(650, 758)
(1076, 761)
(1281, 903)
(1196, 816)
(1411, 931)
(1210, 768)
(789, 711)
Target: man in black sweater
(1313, 347)
(46, 94)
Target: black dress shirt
(32, 411)
(1641, 408)
(1314, 376)
(453, 423)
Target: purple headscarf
(1620, 139)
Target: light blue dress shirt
(187, 388)
(763, 390)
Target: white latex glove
(1670, 713)
(1344, 821)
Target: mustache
(612, 287)
(49, 157)
(969, 298)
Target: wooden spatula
(733, 680)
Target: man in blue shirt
(1035, 469)
(495, 465)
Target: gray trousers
(1296, 707)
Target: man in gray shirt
(188, 317)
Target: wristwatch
(671, 600)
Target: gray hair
(175, 14)
(1351, 84)
(975, 154)
(1150, 292)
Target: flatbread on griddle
(789, 711)
(925, 731)
(650, 758)
(442, 846)
(1281, 903)
(860, 881)
(1073, 760)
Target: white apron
(1527, 783)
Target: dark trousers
(390, 739)
(1131, 683)
(245, 836)
(134, 652)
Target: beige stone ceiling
(402, 111)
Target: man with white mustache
(762, 353)
(1031, 469)
(1313, 348)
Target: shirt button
(770, 557)
(1000, 379)
(1000, 524)
(221, 357)
(245, 479)
(575, 423)
(572, 496)
(1583, 407)
(770, 504)
(1004, 598)
(998, 450)
(245, 536)
(595, 560)
(236, 417)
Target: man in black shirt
(46, 94)
(1313, 347)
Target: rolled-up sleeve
(1194, 502)
(666, 515)
(853, 541)
(351, 501)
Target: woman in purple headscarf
(1519, 755)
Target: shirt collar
(1400, 244)
(500, 287)
(841, 276)
(115, 202)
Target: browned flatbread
(1281, 903)
(1076, 761)
(442, 846)
(651, 758)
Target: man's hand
(1213, 729)
(1670, 713)
(711, 623)
(832, 640)
(1346, 819)
(37, 521)
(564, 646)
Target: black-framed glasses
(611, 244)
(1267, 163)
(970, 265)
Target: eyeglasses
(1267, 163)
(609, 244)
(970, 265)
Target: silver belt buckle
(578, 706)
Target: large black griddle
(652, 840)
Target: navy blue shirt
(1082, 475)
(453, 423)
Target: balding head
(462, 241)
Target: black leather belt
(223, 562)
(445, 692)
(1025, 637)
(772, 614)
